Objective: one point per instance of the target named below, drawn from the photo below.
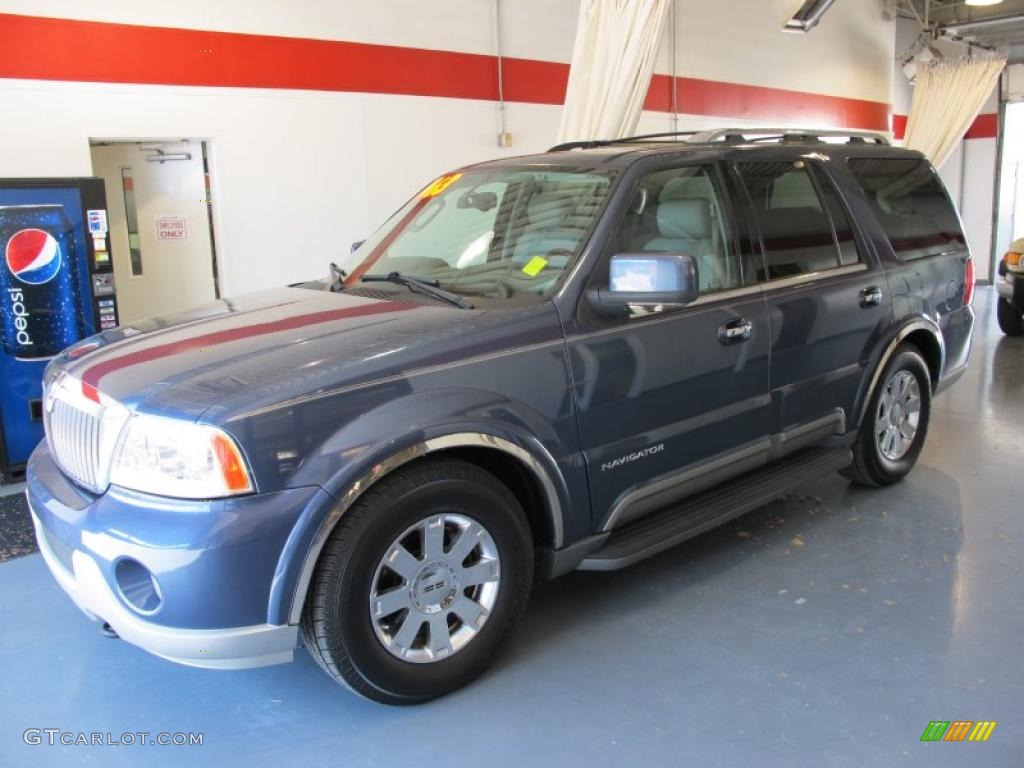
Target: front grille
(82, 426)
(74, 438)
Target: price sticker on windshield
(535, 266)
(440, 185)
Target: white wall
(1011, 193)
(1015, 82)
(1011, 196)
(739, 41)
(298, 175)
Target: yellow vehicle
(1010, 309)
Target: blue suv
(569, 360)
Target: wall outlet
(505, 139)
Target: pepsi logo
(33, 256)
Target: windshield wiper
(420, 285)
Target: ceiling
(1000, 27)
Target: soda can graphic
(40, 297)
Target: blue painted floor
(826, 629)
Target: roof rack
(738, 135)
(594, 143)
(787, 134)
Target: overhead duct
(805, 15)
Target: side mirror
(647, 280)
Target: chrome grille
(82, 430)
(74, 438)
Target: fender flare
(403, 456)
(918, 324)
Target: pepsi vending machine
(56, 287)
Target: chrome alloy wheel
(898, 415)
(435, 588)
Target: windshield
(505, 233)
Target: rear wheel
(420, 583)
(1010, 320)
(895, 424)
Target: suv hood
(259, 349)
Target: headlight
(167, 457)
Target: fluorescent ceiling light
(984, 2)
(807, 15)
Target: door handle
(871, 296)
(735, 331)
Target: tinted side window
(795, 228)
(911, 205)
(845, 239)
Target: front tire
(895, 424)
(420, 583)
(1010, 320)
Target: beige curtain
(612, 62)
(947, 98)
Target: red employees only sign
(171, 228)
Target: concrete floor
(826, 629)
(9, 489)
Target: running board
(673, 525)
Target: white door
(159, 226)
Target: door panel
(828, 299)
(664, 395)
(661, 392)
(821, 337)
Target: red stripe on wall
(754, 102)
(62, 49)
(985, 126)
(533, 81)
(899, 126)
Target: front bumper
(1011, 288)
(219, 565)
(235, 648)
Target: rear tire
(398, 561)
(1010, 320)
(891, 437)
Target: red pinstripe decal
(63, 49)
(92, 375)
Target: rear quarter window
(911, 204)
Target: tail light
(968, 282)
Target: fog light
(138, 587)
